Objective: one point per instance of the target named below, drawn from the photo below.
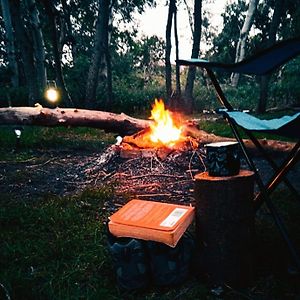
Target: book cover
(150, 220)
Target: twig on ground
(157, 175)
(190, 164)
(42, 164)
(18, 161)
(238, 293)
(202, 161)
(153, 195)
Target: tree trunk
(41, 116)
(263, 94)
(10, 46)
(178, 87)
(99, 56)
(51, 12)
(109, 101)
(172, 6)
(190, 14)
(70, 39)
(278, 12)
(26, 48)
(38, 45)
(189, 101)
(241, 46)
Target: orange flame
(163, 129)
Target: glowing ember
(163, 129)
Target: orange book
(149, 220)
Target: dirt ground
(64, 172)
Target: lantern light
(52, 93)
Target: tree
(171, 11)
(225, 43)
(241, 46)
(10, 44)
(53, 13)
(24, 40)
(264, 81)
(100, 67)
(38, 44)
(188, 93)
(178, 87)
(100, 51)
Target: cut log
(110, 122)
(225, 225)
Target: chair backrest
(261, 63)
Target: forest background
(97, 57)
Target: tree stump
(225, 225)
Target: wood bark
(225, 225)
(189, 87)
(38, 45)
(10, 45)
(241, 46)
(119, 123)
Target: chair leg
(291, 160)
(278, 221)
(223, 100)
(272, 163)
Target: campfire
(166, 134)
(164, 131)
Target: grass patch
(35, 138)
(55, 248)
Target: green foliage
(285, 90)
(134, 98)
(243, 97)
(224, 44)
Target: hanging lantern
(52, 94)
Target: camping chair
(261, 64)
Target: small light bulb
(18, 133)
(52, 95)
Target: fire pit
(166, 134)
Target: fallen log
(121, 124)
(41, 116)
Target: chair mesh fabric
(286, 126)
